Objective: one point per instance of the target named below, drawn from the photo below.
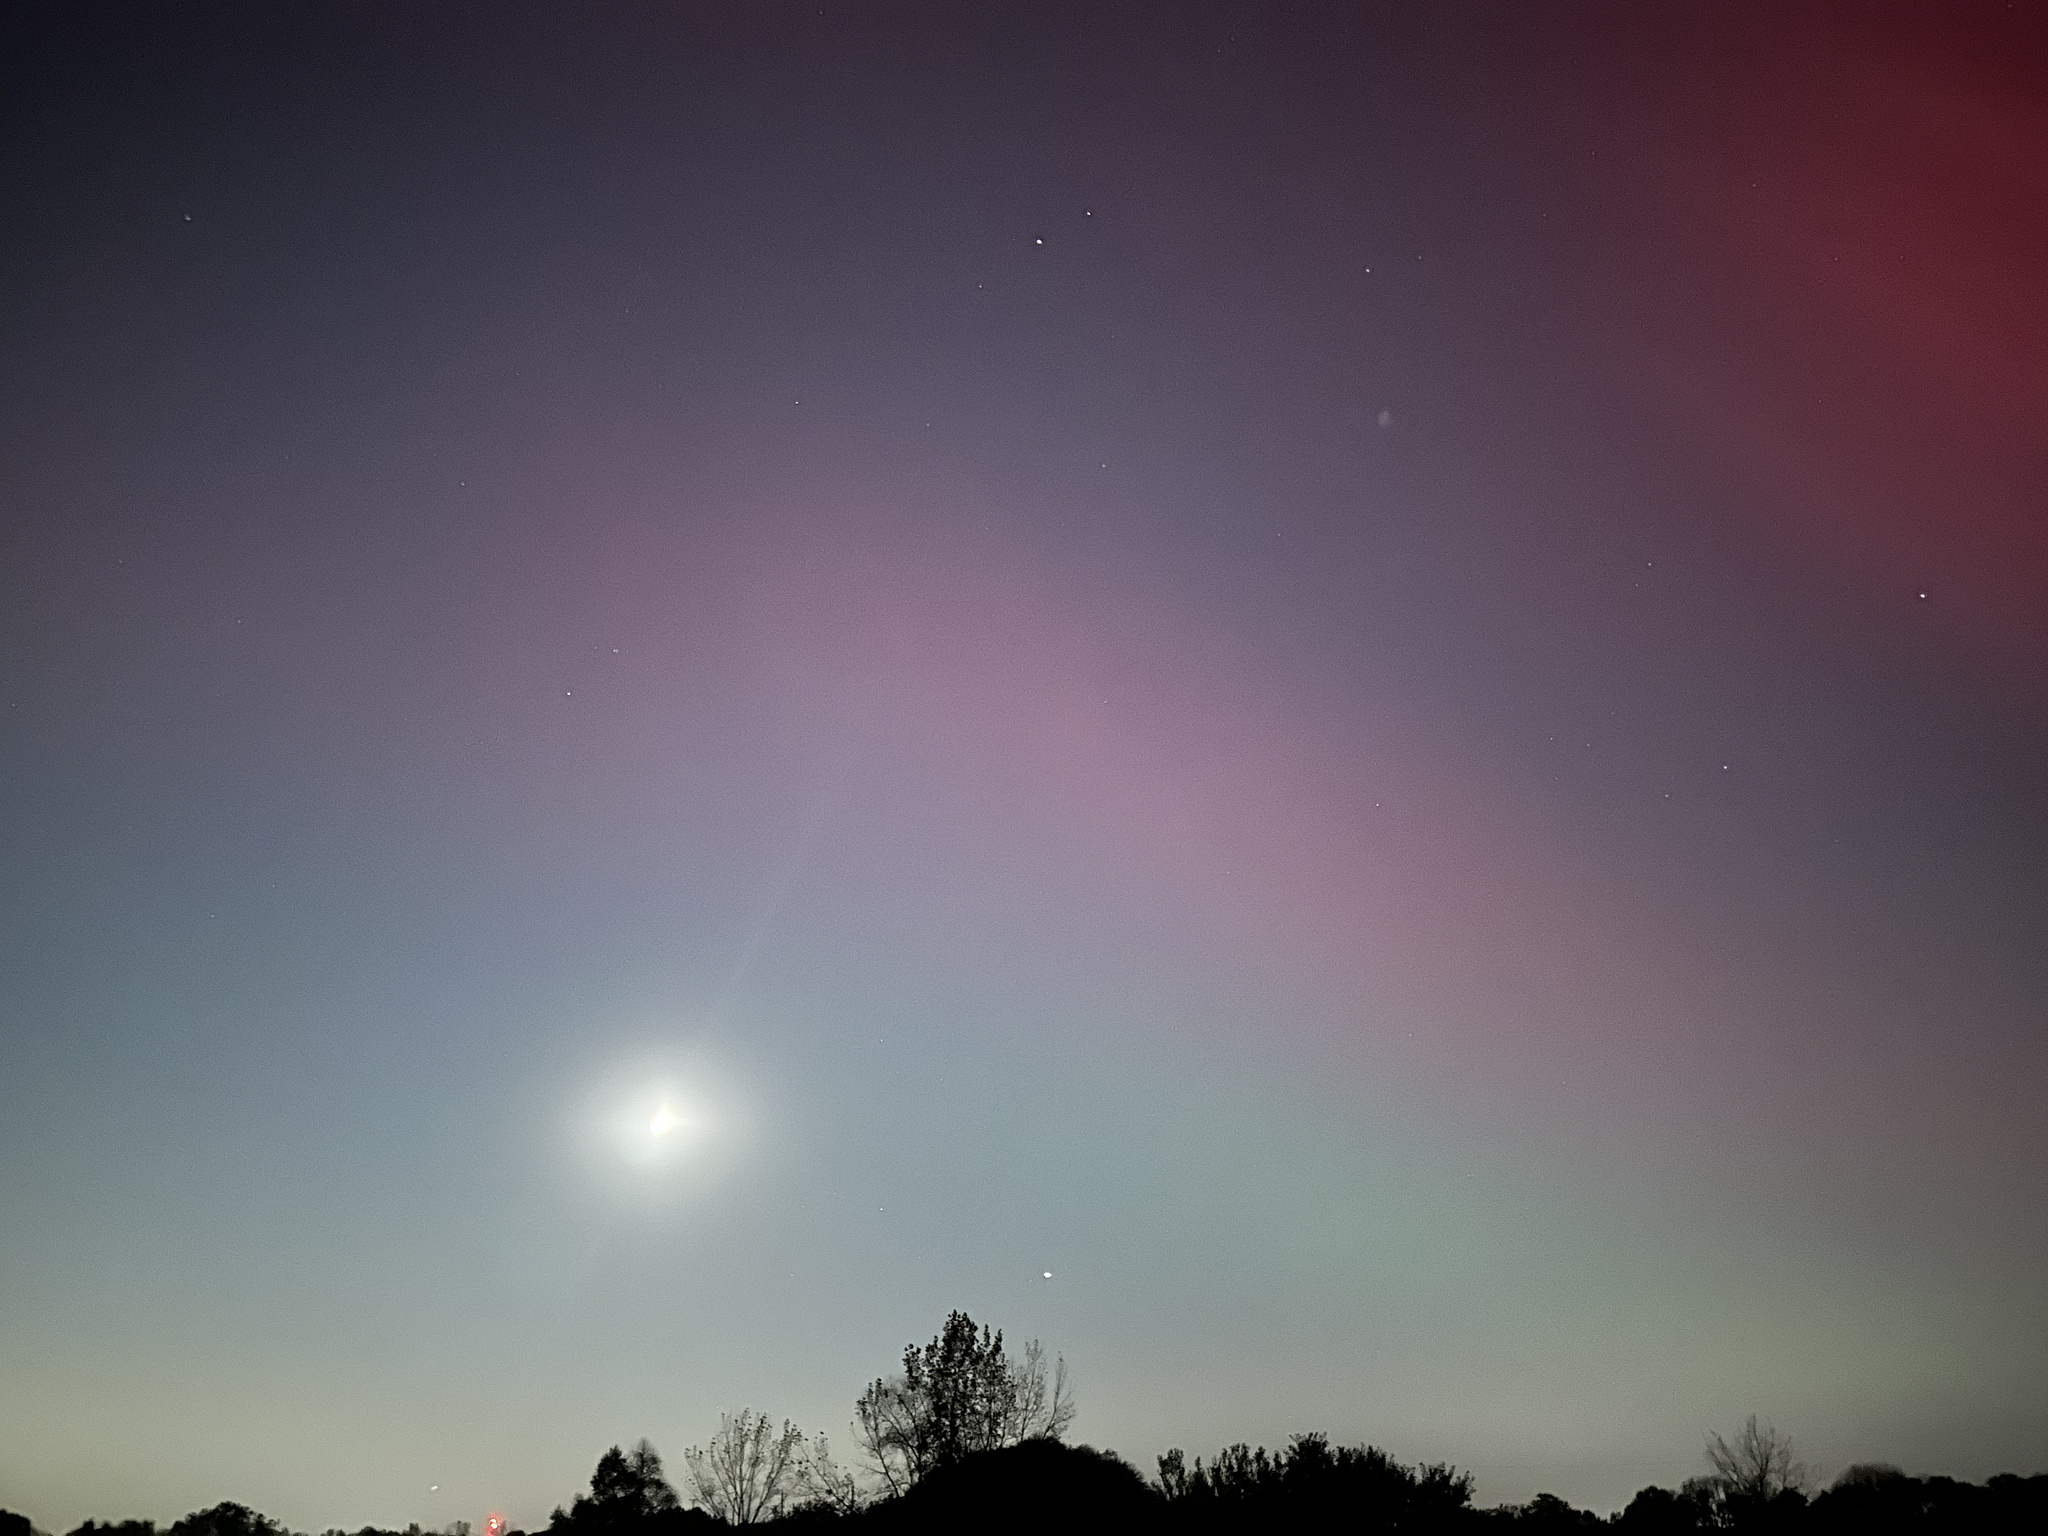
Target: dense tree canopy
(957, 1396)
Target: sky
(1344, 707)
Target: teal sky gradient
(1277, 666)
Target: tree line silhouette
(969, 1438)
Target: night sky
(1373, 681)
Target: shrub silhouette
(1038, 1486)
(1312, 1484)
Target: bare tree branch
(826, 1485)
(750, 1471)
(1037, 1408)
(1758, 1466)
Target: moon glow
(664, 1124)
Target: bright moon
(675, 1125)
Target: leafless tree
(888, 1426)
(751, 1470)
(826, 1484)
(1758, 1466)
(1040, 1407)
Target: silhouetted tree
(958, 1395)
(751, 1471)
(828, 1487)
(1758, 1466)
(1547, 1515)
(227, 1520)
(1040, 1405)
(1756, 1479)
(1877, 1499)
(2017, 1503)
(1661, 1512)
(629, 1496)
(12, 1524)
(1240, 1475)
(1873, 1497)
(1869, 1474)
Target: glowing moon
(660, 1129)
